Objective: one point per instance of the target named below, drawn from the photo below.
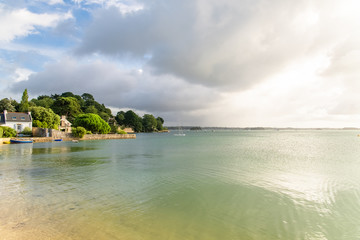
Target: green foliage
(78, 132)
(27, 131)
(160, 123)
(88, 132)
(43, 101)
(91, 109)
(149, 123)
(120, 131)
(68, 106)
(87, 97)
(1, 132)
(44, 117)
(133, 120)
(120, 117)
(37, 123)
(8, 132)
(92, 122)
(24, 104)
(104, 116)
(8, 104)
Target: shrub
(92, 122)
(37, 123)
(8, 132)
(121, 132)
(88, 132)
(27, 131)
(1, 132)
(78, 132)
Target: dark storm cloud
(118, 87)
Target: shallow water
(206, 185)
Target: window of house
(22, 118)
(13, 118)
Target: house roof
(15, 117)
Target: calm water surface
(204, 186)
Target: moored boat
(21, 141)
(58, 140)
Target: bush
(27, 131)
(88, 132)
(8, 132)
(92, 122)
(78, 132)
(121, 132)
(37, 123)
(1, 132)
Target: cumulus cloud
(224, 44)
(21, 22)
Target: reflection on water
(223, 185)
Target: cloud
(123, 6)
(16, 23)
(119, 87)
(228, 44)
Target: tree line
(82, 111)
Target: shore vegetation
(82, 111)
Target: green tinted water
(221, 185)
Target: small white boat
(75, 141)
(180, 133)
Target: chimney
(5, 112)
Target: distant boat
(20, 141)
(58, 140)
(75, 141)
(180, 133)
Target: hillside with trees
(82, 111)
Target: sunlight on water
(222, 185)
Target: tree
(104, 116)
(44, 117)
(24, 104)
(92, 122)
(43, 101)
(149, 123)
(8, 104)
(68, 106)
(133, 120)
(160, 122)
(120, 117)
(91, 109)
(87, 97)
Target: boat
(180, 133)
(75, 141)
(57, 139)
(20, 141)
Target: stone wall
(48, 132)
(108, 136)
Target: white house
(16, 120)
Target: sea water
(205, 185)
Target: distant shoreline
(255, 128)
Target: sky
(230, 63)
